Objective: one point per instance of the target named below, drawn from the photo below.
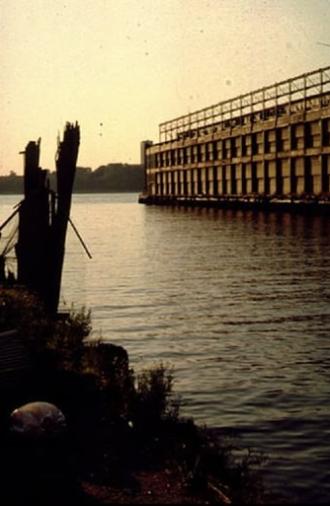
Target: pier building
(269, 145)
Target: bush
(60, 340)
(68, 337)
(154, 396)
(23, 311)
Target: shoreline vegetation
(125, 441)
(112, 178)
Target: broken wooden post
(43, 219)
(33, 230)
(67, 155)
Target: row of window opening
(302, 136)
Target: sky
(121, 67)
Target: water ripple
(237, 302)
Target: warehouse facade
(271, 144)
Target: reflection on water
(236, 301)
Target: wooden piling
(43, 219)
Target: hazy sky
(120, 67)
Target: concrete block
(300, 185)
(317, 184)
(315, 127)
(286, 145)
(272, 185)
(261, 185)
(299, 130)
(248, 171)
(272, 168)
(239, 186)
(249, 185)
(219, 192)
(239, 171)
(238, 152)
(285, 167)
(315, 166)
(286, 185)
(299, 167)
(271, 135)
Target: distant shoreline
(111, 178)
(86, 192)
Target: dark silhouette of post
(34, 224)
(66, 161)
(43, 219)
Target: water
(237, 302)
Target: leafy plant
(68, 338)
(154, 396)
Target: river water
(238, 302)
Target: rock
(37, 419)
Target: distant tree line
(114, 177)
